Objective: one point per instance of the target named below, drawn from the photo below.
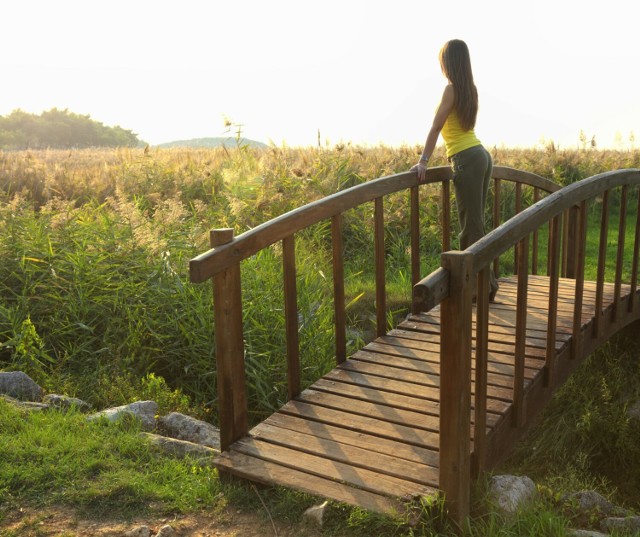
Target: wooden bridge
(424, 408)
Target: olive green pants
(471, 177)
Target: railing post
(227, 306)
(455, 385)
(572, 241)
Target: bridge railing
(221, 264)
(566, 214)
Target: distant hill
(228, 141)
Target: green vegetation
(59, 129)
(95, 302)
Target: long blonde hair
(456, 66)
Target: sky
(295, 72)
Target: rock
(633, 411)
(629, 524)
(585, 533)
(510, 492)
(166, 531)
(590, 502)
(316, 514)
(20, 386)
(190, 429)
(145, 411)
(180, 448)
(65, 402)
(24, 405)
(140, 531)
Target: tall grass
(94, 290)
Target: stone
(184, 427)
(316, 514)
(24, 405)
(145, 411)
(585, 533)
(180, 448)
(629, 524)
(511, 492)
(20, 386)
(633, 411)
(589, 501)
(140, 531)
(65, 402)
(166, 531)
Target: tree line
(60, 129)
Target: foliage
(100, 467)
(60, 129)
(94, 288)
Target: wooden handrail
(204, 266)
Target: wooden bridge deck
(367, 432)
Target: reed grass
(94, 290)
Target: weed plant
(94, 293)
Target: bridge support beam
(455, 385)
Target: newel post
(455, 385)
(227, 306)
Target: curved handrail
(247, 244)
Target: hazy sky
(359, 71)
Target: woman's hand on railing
(420, 169)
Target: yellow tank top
(456, 139)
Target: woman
(471, 163)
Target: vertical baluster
(521, 332)
(446, 215)
(338, 289)
(552, 312)
(620, 255)
(455, 385)
(634, 263)
(381, 306)
(496, 220)
(518, 210)
(602, 261)
(534, 253)
(581, 235)
(227, 308)
(482, 350)
(291, 316)
(415, 239)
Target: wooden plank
(634, 263)
(361, 478)
(372, 410)
(422, 378)
(498, 404)
(408, 366)
(399, 450)
(363, 424)
(384, 464)
(269, 473)
(394, 400)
